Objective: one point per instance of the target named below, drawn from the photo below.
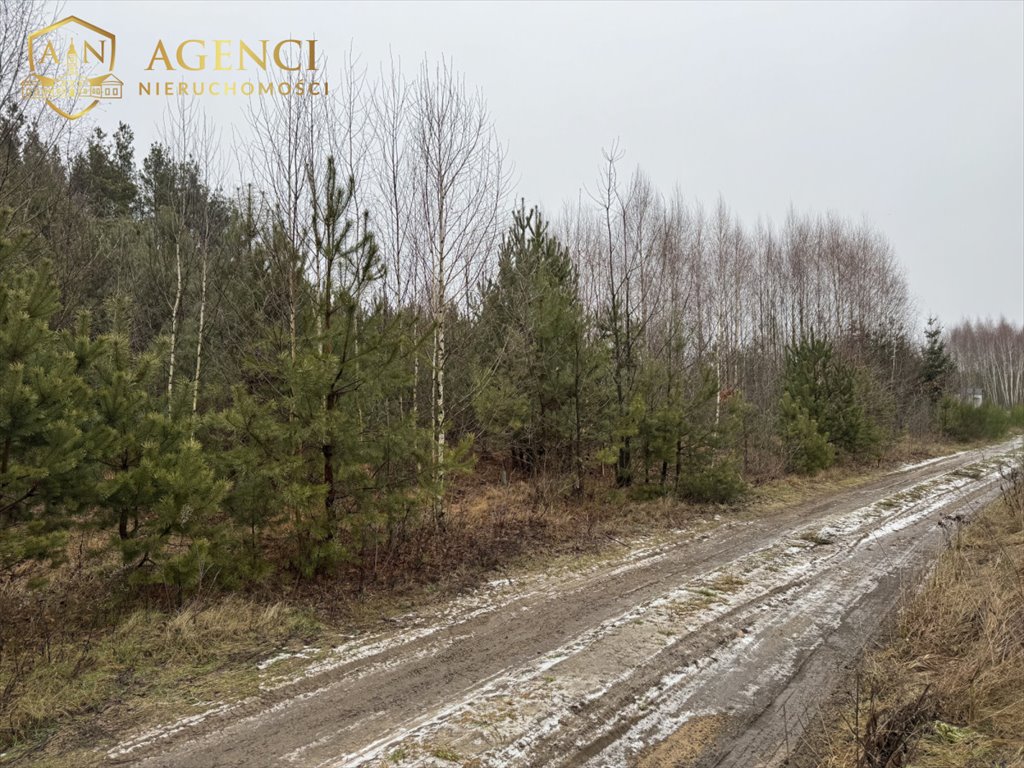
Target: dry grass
(949, 690)
(684, 747)
(140, 669)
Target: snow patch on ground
(304, 653)
(166, 731)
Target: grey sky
(911, 115)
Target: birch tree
(460, 179)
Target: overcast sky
(911, 115)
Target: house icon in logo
(71, 67)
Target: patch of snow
(166, 731)
(305, 653)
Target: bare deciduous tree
(460, 179)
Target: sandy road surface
(711, 649)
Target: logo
(71, 67)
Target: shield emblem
(71, 64)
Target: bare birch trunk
(199, 338)
(174, 324)
(437, 401)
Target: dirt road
(710, 649)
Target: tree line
(287, 374)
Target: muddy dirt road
(712, 648)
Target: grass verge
(73, 689)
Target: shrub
(807, 449)
(1016, 418)
(719, 483)
(965, 422)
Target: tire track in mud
(601, 667)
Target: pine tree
(104, 174)
(706, 466)
(533, 353)
(267, 479)
(821, 403)
(808, 449)
(346, 387)
(351, 264)
(936, 365)
(43, 407)
(319, 440)
(157, 488)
